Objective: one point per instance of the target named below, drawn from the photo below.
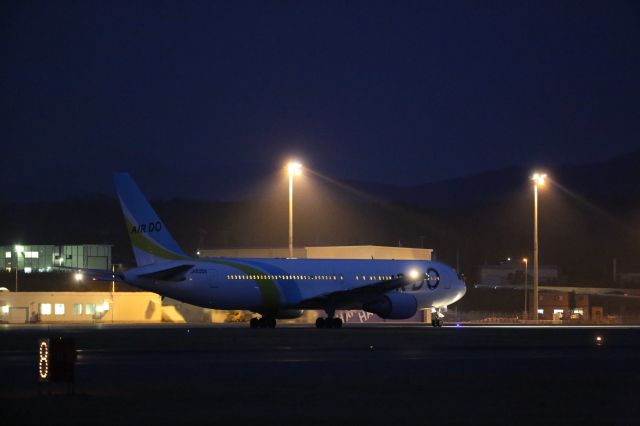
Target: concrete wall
(328, 252)
(260, 253)
(368, 252)
(79, 307)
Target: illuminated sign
(43, 360)
(56, 359)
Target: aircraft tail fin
(150, 239)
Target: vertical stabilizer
(150, 239)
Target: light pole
(526, 273)
(538, 180)
(19, 250)
(294, 168)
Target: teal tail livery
(278, 288)
(150, 239)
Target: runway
(299, 375)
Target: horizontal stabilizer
(177, 273)
(93, 274)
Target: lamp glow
(19, 249)
(294, 168)
(539, 178)
(78, 276)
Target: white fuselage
(264, 285)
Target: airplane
(277, 288)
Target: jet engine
(393, 306)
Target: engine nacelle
(289, 313)
(393, 306)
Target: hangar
(43, 257)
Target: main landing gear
(263, 322)
(330, 321)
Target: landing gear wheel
(254, 323)
(336, 323)
(320, 323)
(263, 322)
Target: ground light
(294, 169)
(526, 273)
(538, 180)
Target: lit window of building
(59, 309)
(45, 309)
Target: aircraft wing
(344, 298)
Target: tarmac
(385, 374)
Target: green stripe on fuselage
(268, 288)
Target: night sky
(203, 99)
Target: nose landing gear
(438, 321)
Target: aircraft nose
(463, 287)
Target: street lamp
(19, 250)
(526, 273)
(294, 169)
(538, 180)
